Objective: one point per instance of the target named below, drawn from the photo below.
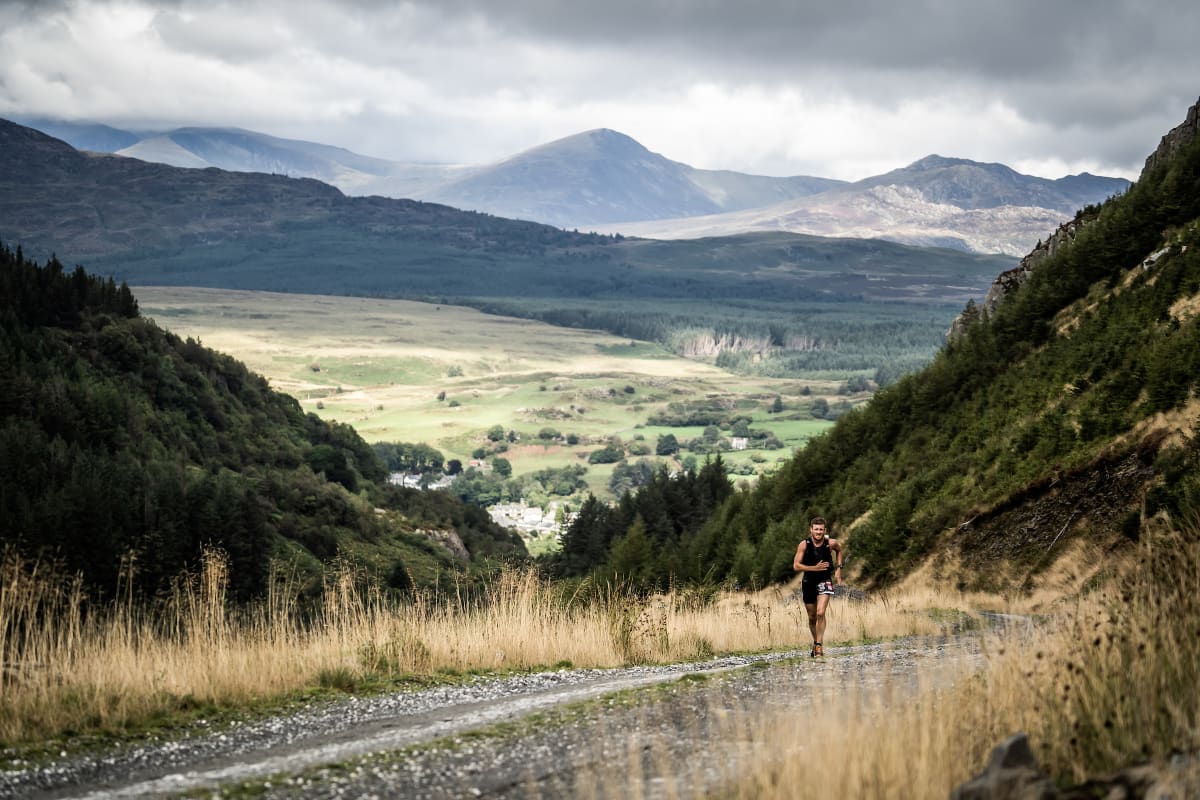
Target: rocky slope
(936, 201)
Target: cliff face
(1176, 138)
(1010, 280)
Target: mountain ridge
(604, 180)
(250, 230)
(932, 201)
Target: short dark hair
(817, 521)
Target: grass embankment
(74, 669)
(1107, 682)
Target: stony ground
(577, 733)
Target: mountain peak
(934, 161)
(596, 142)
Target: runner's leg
(818, 625)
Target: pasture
(381, 365)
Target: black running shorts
(813, 588)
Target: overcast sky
(836, 88)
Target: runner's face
(818, 531)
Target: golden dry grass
(1107, 679)
(1105, 682)
(74, 667)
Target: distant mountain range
(154, 223)
(606, 181)
(603, 177)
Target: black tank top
(814, 555)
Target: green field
(380, 366)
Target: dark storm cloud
(1018, 43)
(837, 88)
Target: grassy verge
(74, 670)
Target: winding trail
(364, 739)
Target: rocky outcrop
(1009, 281)
(1013, 774)
(1176, 138)
(450, 540)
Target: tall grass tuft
(1122, 677)
(1107, 682)
(71, 666)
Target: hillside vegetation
(1070, 411)
(125, 451)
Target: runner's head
(817, 528)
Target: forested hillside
(121, 444)
(1071, 410)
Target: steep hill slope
(1067, 410)
(122, 444)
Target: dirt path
(684, 743)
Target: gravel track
(679, 745)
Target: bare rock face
(1009, 281)
(1011, 774)
(1175, 139)
(449, 539)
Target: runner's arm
(797, 562)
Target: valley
(1046, 456)
(380, 366)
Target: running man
(815, 557)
